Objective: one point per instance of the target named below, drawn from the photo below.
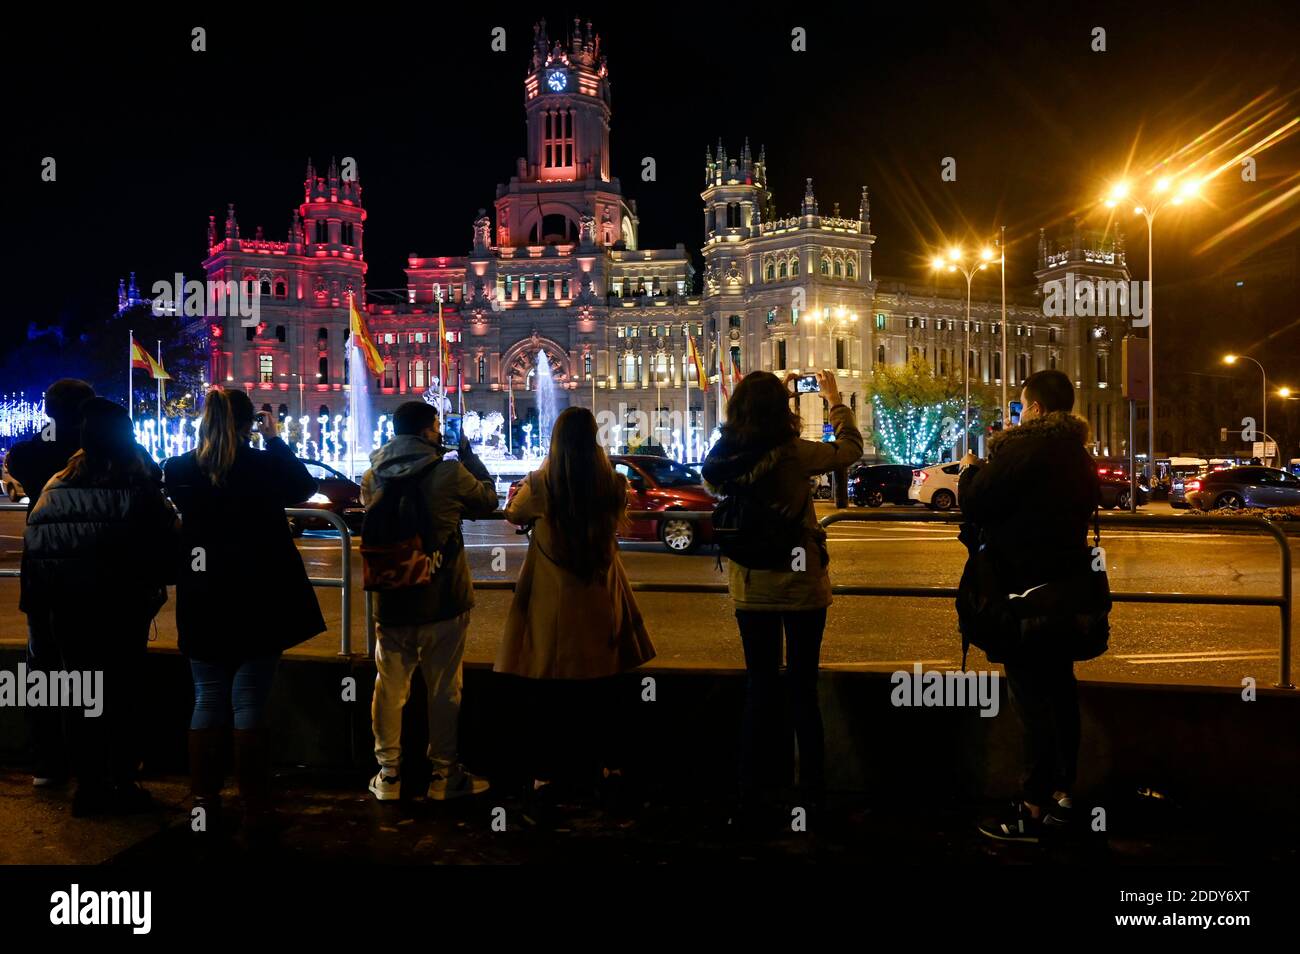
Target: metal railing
(342, 582)
(1282, 601)
(1142, 522)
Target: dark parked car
(1115, 489)
(1238, 487)
(661, 485)
(334, 492)
(871, 485)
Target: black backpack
(398, 549)
(753, 533)
(1068, 618)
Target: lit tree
(917, 413)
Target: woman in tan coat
(574, 624)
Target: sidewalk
(332, 819)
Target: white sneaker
(456, 783)
(386, 788)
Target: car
(1235, 488)
(871, 485)
(335, 493)
(661, 485)
(935, 486)
(1116, 490)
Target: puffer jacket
(108, 548)
(780, 477)
(451, 491)
(1033, 499)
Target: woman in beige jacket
(574, 623)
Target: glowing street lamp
(1160, 197)
(1233, 359)
(957, 263)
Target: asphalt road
(1167, 643)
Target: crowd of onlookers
(109, 530)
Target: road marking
(889, 662)
(1190, 653)
(1198, 659)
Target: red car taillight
(920, 476)
(1192, 485)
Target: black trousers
(105, 748)
(760, 735)
(1046, 695)
(48, 728)
(569, 729)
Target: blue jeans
(226, 693)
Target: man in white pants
(426, 625)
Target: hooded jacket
(780, 476)
(451, 491)
(1034, 499)
(104, 546)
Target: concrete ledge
(1198, 746)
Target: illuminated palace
(557, 269)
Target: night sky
(150, 137)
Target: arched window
(417, 374)
(880, 354)
(281, 290)
(826, 266)
(851, 269)
(348, 234)
(839, 268)
(782, 271)
(282, 412)
(265, 288)
(323, 412)
(322, 232)
(770, 274)
(323, 374)
(279, 332)
(794, 268)
(265, 368)
(323, 334)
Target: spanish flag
(361, 339)
(700, 377)
(140, 358)
(444, 361)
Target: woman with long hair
(574, 624)
(762, 457)
(99, 547)
(243, 596)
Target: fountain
(545, 388)
(359, 442)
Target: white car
(936, 486)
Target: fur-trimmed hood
(1057, 425)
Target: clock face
(557, 80)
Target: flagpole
(442, 363)
(686, 380)
(130, 366)
(160, 392)
(722, 412)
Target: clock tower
(566, 98)
(562, 193)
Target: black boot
(253, 770)
(207, 773)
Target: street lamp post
(956, 262)
(1233, 359)
(1163, 196)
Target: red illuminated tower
(295, 359)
